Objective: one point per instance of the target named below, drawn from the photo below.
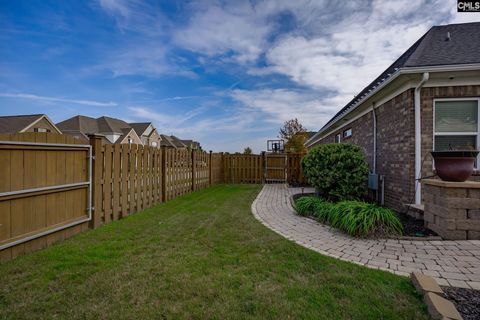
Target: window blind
(456, 116)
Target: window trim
(434, 134)
(338, 138)
(346, 130)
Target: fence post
(264, 167)
(96, 143)
(194, 170)
(164, 174)
(210, 169)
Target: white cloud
(217, 30)
(29, 96)
(279, 105)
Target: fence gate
(45, 188)
(276, 168)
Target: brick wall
(396, 139)
(395, 146)
(428, 95)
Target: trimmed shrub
(362, 219)
(338, 171)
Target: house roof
(140, 127)
(434, 48)
(177, 142)
(18, 123)
(87, 125)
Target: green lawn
(200, 256)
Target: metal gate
(276, 168)
(45, 186)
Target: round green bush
(338, 171)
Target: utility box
(373, 181)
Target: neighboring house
(27, 123)
(113, 130)
(171, 142)
(192, 145)
(428, 99)
(147, 133)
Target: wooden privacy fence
(44, 190)
(53, 186)
(268, 168)
(131, 178)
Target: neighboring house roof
(451, 44)
(88, 125)
(172, 142)
(140, 127)
(21, 123)
(191, 144)
(177, 142)
(83, 125)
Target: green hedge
(356, 218)
(338, 171)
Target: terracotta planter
(454, 165)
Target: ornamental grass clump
(357, 218)
(364, 219)
(305, 206)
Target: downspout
(374, 155)
(418, 139)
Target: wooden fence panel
(243, 168)
(217, 170)
(295, 176)
(35, 210)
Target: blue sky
(226, 73)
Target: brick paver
(452, 263)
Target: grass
(200, 256)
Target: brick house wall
(396, 140)
(395, 146)
(428, 95)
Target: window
(456, 124)
(41, 130)
(154, 143)
(129, 140)
(347, 133)
(338, 138)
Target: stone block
(473, 235)
(468, 224)
(424, 283)
(474, 214)
(441, 308)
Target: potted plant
(454, 165)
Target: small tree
(295, 134)
(297, 143)
(338, 171)
(247, 150)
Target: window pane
(456, 116)
(443, 143)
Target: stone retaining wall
(452, 209)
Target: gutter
(393, 76)
(418, 139)
(374, 155)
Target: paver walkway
(454, 263)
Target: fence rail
(50, 188)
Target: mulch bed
(467, 301)
(412, 227)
